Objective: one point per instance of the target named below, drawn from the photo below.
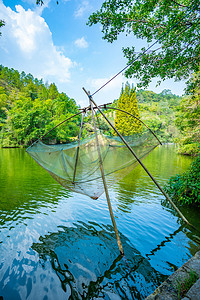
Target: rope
(141, 54)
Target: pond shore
(168, 290)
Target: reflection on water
(24, 189)
(84, 274)
(55, 243)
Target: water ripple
(55, 244)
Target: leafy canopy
(29, 108)
(2, 23)
(158, 112)
(178, 52)
(188, 118)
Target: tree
(63, 108)
(30, 90)
(178, 54)
(53, 91)
(28, 109)
(27, 120)
(188, 118)
(3, 106)
(124, 123)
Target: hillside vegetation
(158, 112)
(29, 108)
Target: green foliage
(101, 124)
(178, 51)
(39, 2)
(125, 124)
(53, 91)
(188, 118)
(186, 187)
(144, 96)
(188, 149)
(158, 112)
(28, 109)
(2, 23)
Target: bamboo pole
(140, 162)
(77, 152)
(104, 180)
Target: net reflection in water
(89, 267)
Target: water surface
(56, 244)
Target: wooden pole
(134, 154)
(104, 180)
(77, 152)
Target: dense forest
(29, 108)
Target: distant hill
(158, 112)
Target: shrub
(186, 187)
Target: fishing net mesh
(76, 165)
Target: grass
(183, 285)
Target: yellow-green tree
(126, 124)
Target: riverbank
(171, 288)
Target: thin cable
(141, 54)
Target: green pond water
(55, 244)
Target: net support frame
(103, 177)
(77, 152)
(140, 162)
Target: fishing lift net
(100, 156)
(77, 166)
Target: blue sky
(53, 42)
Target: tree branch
(179, 4)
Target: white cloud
(25, 29)
(26, 44)
(81, 43)
(82, 9)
